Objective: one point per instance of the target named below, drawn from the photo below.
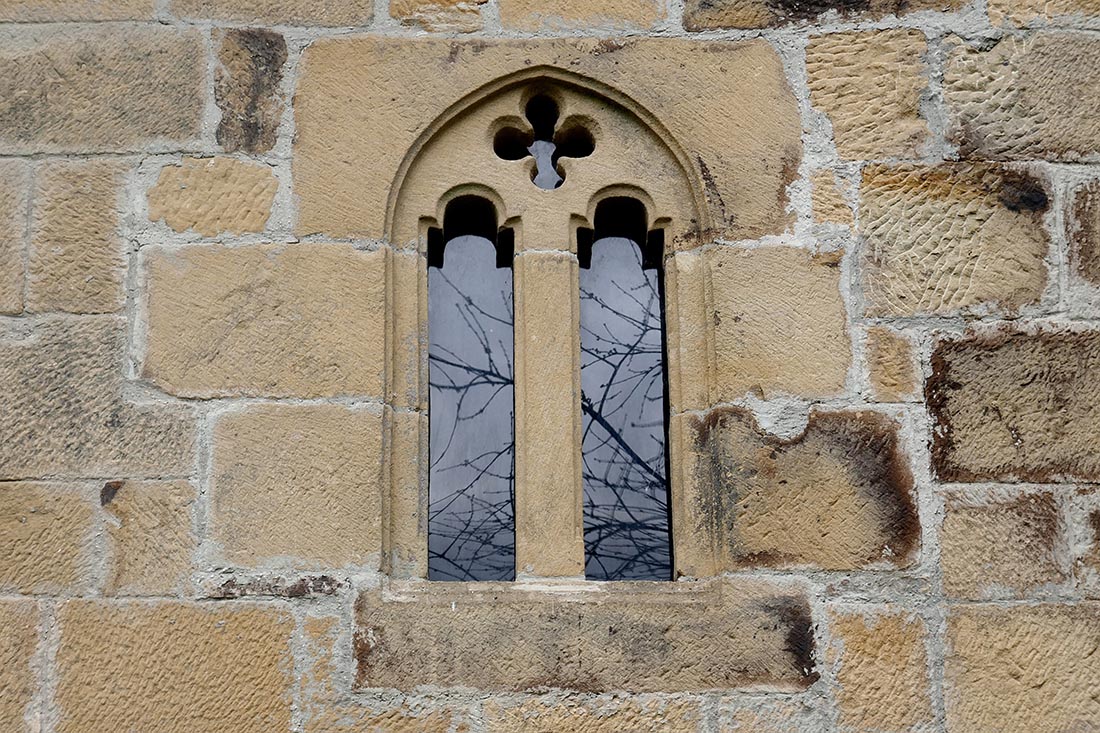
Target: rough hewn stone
(145, 666)
(15, 181)
(1084, 217)
(890, 365)
(1014, 406)
(1021, 669)
(871, 119)
(246, 89)
(46, 11)
(297, 485)
(701, 15)
(76, 261)
(53, 84)
(149, 536)
(297, 320)
(1023, 13)
(46, 538)
(279, 12)
(65, 412)
(214, 195)
(838, 497)
(952, 238)
(779, 323)
(1026, 97)
(634, 637)
(828, 200)
(535, 15)
(882, 675)
(439, 16)
(1001, 549)
(18, 639)
(535, 715)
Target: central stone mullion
(549, 492)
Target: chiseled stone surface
(871, 119)
(535, 715)
(18, 641)
(15, 182)
(278, 12)
(890, 364)
(952, 238)
(46, 11)
(633, 637)
(439, 16)
(534, 15)
(701, 15)
(1083, 214)
(149, 536)
(46, 538)
(266, 320)
(1020, 669)
(168, 666)
(1014, 406)
(53, 95)
(828, 200)
(214, 195)
(1024, 13)
(246, 88)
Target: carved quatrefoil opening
(546, 141)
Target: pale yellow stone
(297, 485)
(278, 12)
(15, 181)
(870, 84)
(407, 510)
(535, 15)
(267, 320)
(214, 195)
(597, 716)
(18, 640)
(150, 537)
(439, 16)
(45, 11)
(890, 365)
(828, 200)
(46, 538)
(702, 15)
(171, 666)
(1024, 13)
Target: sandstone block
(15, 182)
(891, 365)
(1026, 97)
(634, 637)
(278, 12)
(535, 15)
(702, 15)
(837, 497)
(47, 11)
(246, 89)
(53, 84)
(149, 536)
(268, 320)
(77, 260)
(217, 668)
(46, 538)
(65, 412)
(1014, 406)
(18, 640)
(952, 239)
(214, 195)
(535, 715)
(1021, 669)
(1023, 13)
(1084, 235)
(828, 200)
(297, 484)
(439, 16)
(769, 714)
(871, 119)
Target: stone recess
(1020, 669)
(744, 129)
(882, 675)
(297, 485)
(871, 119)
(780, 325)
(15, 181)
(46, 11)
(952, 238)
(837, 497)
(439, 16)
(1023, 13)
(535, 15)
(168, 666)
(265, 321)
(1014, 406)
(214, 195)
(534, 715)
(76, 261)
(1084, 216)
(46, 538)
(149, 536)
(66, 414)
(18, 640)
(246, 88)
(890, 363)
(52, 96)
(278, 12)
(1001, 549)
(1026, 97)
(702, 15)
(633, 637)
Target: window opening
(547, 141)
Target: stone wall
(884, 348)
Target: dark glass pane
(471, 531)
(623, 402)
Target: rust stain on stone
(1023, 192)
(247, 89)
(109, 491)
(793, 613)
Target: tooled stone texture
(952, 238)
(1021, 669)
(46, 11)
(1041, 12)
(265, 320)
(890, 365)
(439, 16)
(18, 641)
(15, 182)
(597, 716)
(534, 15)
(828, 200)
(1025, 97)
(53, 83)
(871, 119)
(700, 15)
(149, 536)
(66, 411)
(214, 195)
(246, 89)
(1084, 216)
(168, 666)
(46, 538)
(1015, 406)
(278, 12)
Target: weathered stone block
(633, 637)
(246, 89)
(299, 485)
(1015, 406)
(1084, 216)
(837, 497)
(149, 536)
(276, 321)
(828, 200)
(76, 261)
(279, 12)
(151, 666)
(439, 16)
(46, 538)
(1026, 97)
(890, 365)
(701, 15)
(535, 715)
(15, 181)
(535, 15)
(18, 640)
(65, 412)
(47, 11)
(871, 120)
(99, 89)
(214, 195)
(1023, 13)
(1021, 669)
(952, 238)
(771, 714)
